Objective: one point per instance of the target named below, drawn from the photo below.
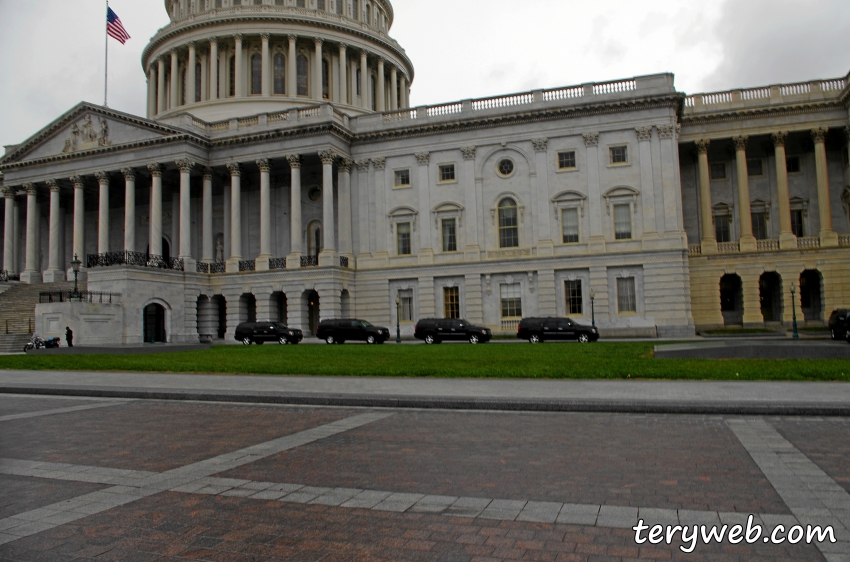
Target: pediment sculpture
(84, 136)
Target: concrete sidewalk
(696, 397)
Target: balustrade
(309, 261)
(133, 258)
(97, 297)
(248, 265)
(277, 263)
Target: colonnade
(787, 239)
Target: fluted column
(380, 87)
(364, 81)
(405, 92)
(190, 75)
(129, 209)
(262, 262)
(787, 239)
(207, 220)
(155, 235)
(747, 241)
(151, 92)
(291, 69)
(185, 166)
(9, 231)
(161, 101)
(30, 273)
(708, 243)
(205, 94)
(213, 69)
(343, 73)
(79, 244)
(102, 212)
(328, 254)
(344, 183)
(235, 217)
(53, 273)
(317, 69)
(828, 237)
(175, 79)
(393, 89)
(266, 76)
(294, 259)
(238, 76)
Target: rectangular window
(792, 164)
(572, 290)
(845, 156)
(403, 238)
(320, 4)
(718, 171)
(449, 235)
(569, 220)
(759, 226)
(754, 167)
(797, 223)
(511, 296)
(619, 155)
(451, 302)
(402, 178)
(626, 295)
(405, 305)
(566, 160)
(721, 228)
(622, 222)
(447, 172)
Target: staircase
(17, 305)
(13, 343)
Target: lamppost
(75, 265)
(592, 311)
(794, 333)
(397, 318)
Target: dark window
(730, 285)
(619, 155)
(566, 160)
(358, 82)
(300, 3)
(569, 220)
(373, 91)
(449, 235)
(506, 167)
(402, 177)
(626, 301)
(279, 74)
(508, 224)
(447, 172)
(792, 164)
(721, 228)
(754, 167)
(572, 290)
(301, 67)
(256, 74)
(622, 222)
(451, 302)
(718, 171)
(320, 4)
(356, 15)
(759, 226)
(797, 223)
(403, 238)
(184, 78)
(511, 300)
(232, 76)
(326, 93)
(198, 82)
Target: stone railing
(133, 258)
(510, 325)
(503, 101)
(808, 242)
(694, 249)
(343, 261)
(6, 276)
(728, 248)
(767, 245)
(79, 296)
(775, 94)
(265, 120)
(844, 239)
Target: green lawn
(546, 361)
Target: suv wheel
(583, 338)
(473, 338)
(429, 339)
(535, 338)
(370, 339)
(282, 340)
(330, 340)
(246, 341)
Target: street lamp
(794, 333)
(592, 311)
(75, 265)
(397, 318)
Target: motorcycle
(37, 342)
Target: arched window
(354, 10)
(279, 74)
(232, 73)
(508, 224)
(300, 4)
(339, 6)
(314, 238)
(326, 78)
(374, 103)
(320, 4)
(301, 68)
(218, 3)
(367, 9)
(197, 82)
(256, 74)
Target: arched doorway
(345, 304)
(222, 315)
(731, 299)
(247, 308)
(810, 295)
(153, 324)
(312, 310)
(770, 295)
(277, 311)
(314, 238)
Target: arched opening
(277, 310)
(811, 300)
(732, 299)
(256, 75)
(197, 82)
(221, 305)
(232, 76)
(312, 298)
(326, 79)
(373, 93)
(153, 324)
(508, 224)
(247, 308)
(314, 238)
(770, 295)
(279, 74)
(166, 250)
(301, 68)
(345, 304)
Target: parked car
(839, 323)
(436, 330)
(537, 330)
(260, 332)
(341, 330)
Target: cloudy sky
(53, 49)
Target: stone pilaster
(364, 82)
(266, 83)
(343, 73)
(344, 207)
(262, 262)
(787, 239)
(53, 273)
(709, 241)
(235, 218)
(103, 213)
(161, 100)
(129, 209)
(239, 73)
(327, 257)
(155, 233)
(293, 260)
(175, 80)
(9, 230)
(540, 200)
(207, 219)
(381, 102)
(596, 241)
(190, 75)
(291, 74)
(828, 237)
(31, 273)
(79, 244)
(213, 68)
(185, 165)
(745, 219)
(317, 69)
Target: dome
(221, 59)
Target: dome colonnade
(274, 54)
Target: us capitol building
(281, 174)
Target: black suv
(537, 330)
(343, 329)
(435, 330)
(839, 324)
(259, 332)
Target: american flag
(114, 28)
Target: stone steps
(17, 305)
(13, 343)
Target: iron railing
(343, 261)
(309, 261)
(277, 263)
(202, 267)
(97, 297)
(248, 265)
(133, 258)
(6, 276)
(218, 267)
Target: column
(426, 247)
(53, 272)
(828, 237)
(155, 235)
(190, 75)
(541, 227)
(380, 87)
(291, 74)
(103, 212)
(151, 92)
(787, 239)
(467, 179)
(294, 259)
(364, 82)
(238, 76)
(317, 70)
(262, 263)
(708, 243)
(9, 231)
(596, 240)
(266, 76)
(393, 89)
(175, 78)
(161, 104)
(30, 273)
(185, 254)
(367, 213)
(213, 69)
(79, 244)
(647, 184)
(235, 217)
(344, 205)
(747, 241)
(129, 209)
(207, 221)
(343, 74)
(405, 92)
(205, 94)
(327, 256)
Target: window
(754, 167)
(279, 74)
(339, 6)
(792, 164)
(320, 4)
(358, 82)
(759, 226)
(511, 296)
(508, 225)
(718, 171)
(566, 160)
(447, 172)
(619, 155)
(232, 61)
(218, 3)
(626, 295)
(301, 68)
(278, 2)
(721, 228)
(449, 235)
(402, 178)
(256, 74)
(569, 221)
(326, 92)
(197, 82)
(622, 222)
(184, 78)
(300, 3)
(354, 14)
(405, 298)
(572, 291)
(403, 238)
(797, 223)
(506, 167)
(451, 302)
(373, 92)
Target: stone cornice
(278, 134)
(760, 112)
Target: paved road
(120, 479)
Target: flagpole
(106, 61)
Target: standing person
(69, 336)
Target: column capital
(53, 185)
(129, 173)
(540, 144)
(235, 169)
(423, 158)
(779, 137)
(208, 173)
(668, 130)
(379, 163)
(8, 192)
(702, 145)
(213, 41)
(265, 36)
(327, 156)
(102, 177)
(345, 164)
(591, 139)
(740, 142)
(644, 133)
(185, 165)
(78, 182)
(292, 38)
(469, 152)
(362, 165)
(819, 134)
(31, 189)
(155, 169)
(237, 37)
(294, 161)
(343, 47)
(191, 45)
(264, 165)
(318, 41)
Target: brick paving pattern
(22, 404)
(20, 493)
(677, 462)
(825, 442)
